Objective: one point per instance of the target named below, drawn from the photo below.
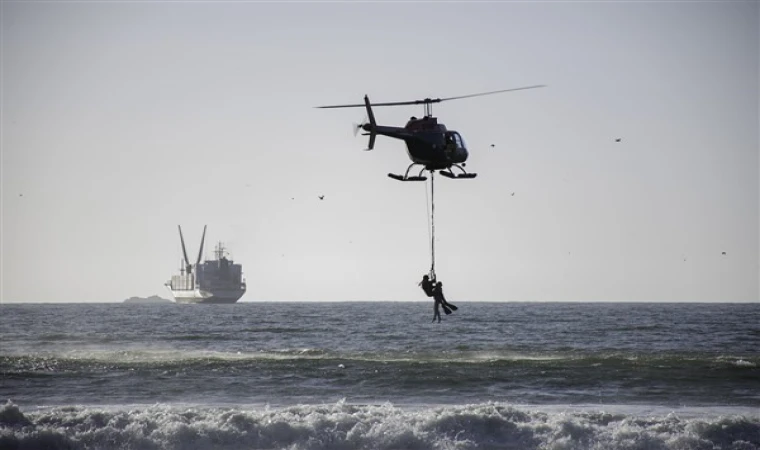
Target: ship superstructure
(219, 280)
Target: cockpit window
(453, 135)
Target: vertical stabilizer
(372, 124)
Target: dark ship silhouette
(219, 280)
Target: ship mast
(219, 251)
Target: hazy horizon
(121, 120)
(423, 301)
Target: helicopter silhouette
(428, 142)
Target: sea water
(374, 375)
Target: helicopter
(428, 142)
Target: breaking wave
(173, 356)
(344, 426)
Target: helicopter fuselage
(428, 142)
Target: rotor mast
(428, 108)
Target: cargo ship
(218, 280)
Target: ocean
(366, 375)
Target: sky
(121, 120)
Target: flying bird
(617, 139)
(321, 197)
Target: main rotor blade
(411, 102)
(492, 92)
(431, 100)
(362, 105)
(342, 106)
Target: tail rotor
(358, 126)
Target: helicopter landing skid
(406, 178)
(465, 175)
(452, 175)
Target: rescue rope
(432, 224)
(427, 212)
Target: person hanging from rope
(436, 311)
(438, 297)
(427, 284)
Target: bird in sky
(321, 197)
(618, 139)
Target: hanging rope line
(427, 211)
(430, 207)
(432, 224)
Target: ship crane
(188, 266)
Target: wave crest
(343, 426)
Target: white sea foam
(743, 363)
(383, 426)
(154, 355)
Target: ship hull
(198, 296)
